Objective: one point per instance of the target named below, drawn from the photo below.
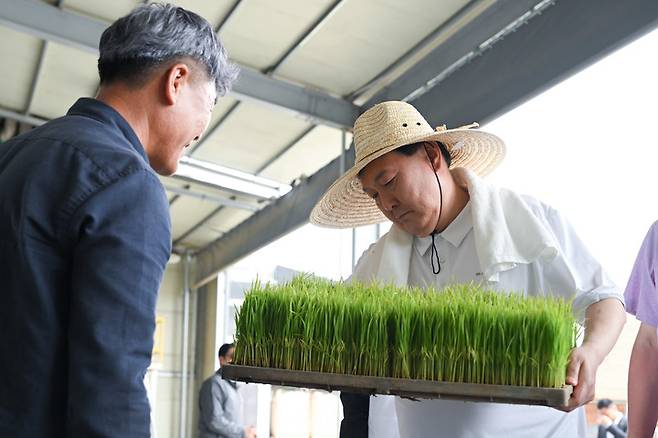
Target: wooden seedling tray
(412, 388)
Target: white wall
(167, 403)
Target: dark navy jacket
(85, 236)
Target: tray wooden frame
(411, 388)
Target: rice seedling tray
(463, 342)
(412, 388)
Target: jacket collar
(101, 112)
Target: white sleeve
(363, 270)
(575, 273)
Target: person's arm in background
(643, 384)
(123, 242)
(616, 432)
(642, 301)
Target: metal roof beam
(460, 42)
(21, 117)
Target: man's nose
(387, 202)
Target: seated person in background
(611, 421)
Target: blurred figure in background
(611, 421)
(220, 404)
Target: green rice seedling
(462, 333)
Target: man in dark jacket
(85, 230)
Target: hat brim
(346, 205)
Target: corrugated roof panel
(309, 155)
(213, 11)
(19, 53)
(261, 31)
(222, 222)
(223, 105)
(68, 74)
(227, 219)
(103, 10)
(187, 212)
(363, 38)
(251, 136)
(201, 238)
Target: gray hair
(154, 34)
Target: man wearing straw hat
(451, 226)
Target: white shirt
(443, 418)
(572, 273)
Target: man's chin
(409, 228)
(420, 231)
(166, 169)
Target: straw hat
(383, 128)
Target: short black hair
(604, 403)
(410, 149)
(223, 350)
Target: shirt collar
(97, 110)
(455, 232)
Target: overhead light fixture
(225, 178)
(183, 191)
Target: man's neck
(131, 109)
(454, 201)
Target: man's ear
(176, 77)
(434, 154)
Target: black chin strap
(436, 268)
(435, 254)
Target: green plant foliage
(462, 333)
